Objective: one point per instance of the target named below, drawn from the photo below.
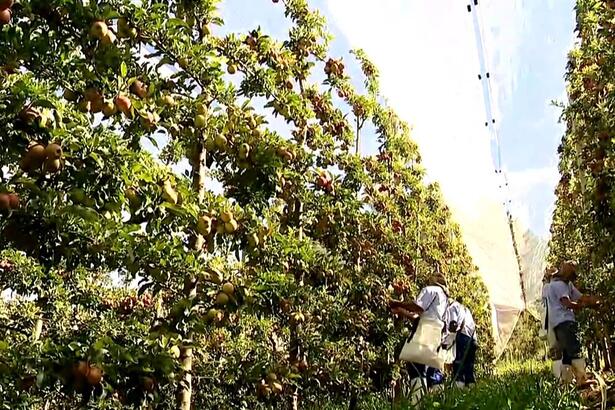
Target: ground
(513, 386)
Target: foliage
(584, 218)
(515, 385)
(275, 285)
(524, 343)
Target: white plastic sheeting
(429, 70)
(486, 233)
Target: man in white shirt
(432, 303)
(462, 323)
(563, 299)
(547, 333)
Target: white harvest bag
(423, 346)
(448, 349)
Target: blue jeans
(433, 376)
(465, 356)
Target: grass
(514, 386)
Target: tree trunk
(38, 329)
(184, 398)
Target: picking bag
(424, 344)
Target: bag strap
(441, 319)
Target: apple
(202, 109)
(183, 62)
(302, 365)
(205, 31)
(204, 225)
(212, 314)
(35, 155)
(94, 376)
(123, 104)
(78, 195)
(200, 121)
(168, 100)
(53, 151)
(97, 105)
(70, 95)
(228, 288)
(271, 377)
(5, 202)
(80, 369)
(210, 144)
(253, 240)
(98, 29)
(139, 89)
(13, 201)
(231, 226)
(6, 4)
(231, 69)
(244, 151)
(226, 216)
(222, 299)
(109, 109)
(108, 39)
(149, 121)
(221, 142)
(5, 16)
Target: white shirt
(462, 316)
(559, 313)
(434, 301)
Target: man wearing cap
(563, 300)
(432, 303)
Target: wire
(490, 123)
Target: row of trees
(272, 291)
(584, 219)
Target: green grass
(513, 386)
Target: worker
(432, 303)
(563, 300)
(461, 322)
(546, 332)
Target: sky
(429, 63)
(427, 54)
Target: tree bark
(38, 329)
(184, 398)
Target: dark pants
(567, 336)
(433, 376)
(465, 356)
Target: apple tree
(271, 290)
(584, 218)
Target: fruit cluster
(5, 11)
(49, 158)
(9, 201)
